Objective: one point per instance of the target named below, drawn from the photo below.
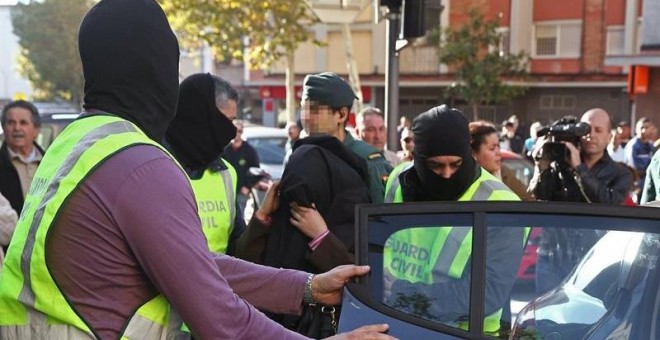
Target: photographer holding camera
(572, 165)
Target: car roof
(253, 131)
(509, 154)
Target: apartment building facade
(567, 40)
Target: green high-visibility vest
(215, 194)
(31, 304)
(420, 254)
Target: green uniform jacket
(379, 168)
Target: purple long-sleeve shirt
(131, 231)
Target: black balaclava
(130, 60)
(199, 131)
(442, 131)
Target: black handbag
(318, 321)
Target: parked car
(613, 293)
(270, 145)
(626, 308)
(521, 166)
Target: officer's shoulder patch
(375, 155)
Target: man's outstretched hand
(327, 288)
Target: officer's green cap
(328, 88)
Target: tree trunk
(351, 65)
(475, 112)
(290, 88)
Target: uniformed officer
(326, 104)
(196, 137)
(432, 261)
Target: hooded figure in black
(130, 60)
(197, 136)
(441, 131)
(323, 172)
(200, 131)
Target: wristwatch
(307, 293)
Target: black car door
(435, 296)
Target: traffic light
(390, 3)
(412, 19)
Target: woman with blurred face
(485, 145)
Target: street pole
(392, 77)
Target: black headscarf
(130, 60)
(442, 131)
(199, 131)
(321, 171)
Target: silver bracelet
(307, 293)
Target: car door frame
(479, 210)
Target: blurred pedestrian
(293, 130)
(370, 128)
(407, 146)
(486, 150)
(242, 156)
(196, 137)
(615, 148)
(110, 244)
(639, 150)
(20, 155)
(651, 190)
(529, 142)
(7, 224)
(404, 123)
(510, 140)
(326, 104)
(623, 128)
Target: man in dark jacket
(587, 175)
(19, 155)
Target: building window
(504, 40)
(558, 39)
(557, 102)
(546, 40)
(615, 36)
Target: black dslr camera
(567, 129)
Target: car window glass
(421, 265)
(269, 149)
(609, 272)
(45, 136)
(569, 279)
(521, 168)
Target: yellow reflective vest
(420, 254)
(216, 204)
(31, 304)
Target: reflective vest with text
(419, 254)
(215, 194)
(31, 304)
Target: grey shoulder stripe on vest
(390, 195)
(486, 189)
(229, 189)
(450, 250)
(27, 294)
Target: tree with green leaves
(481, 66)
(273, 30)
(47, 34)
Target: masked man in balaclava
(443, 170)
(109, 244)
(196, 137)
